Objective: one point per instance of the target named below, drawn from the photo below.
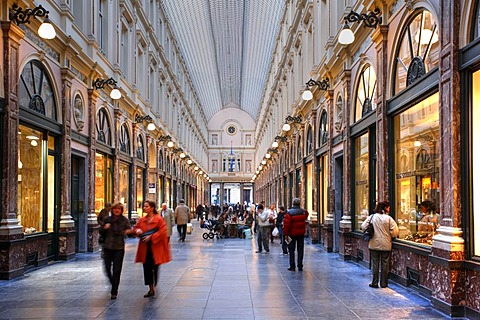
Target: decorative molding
(41, 43)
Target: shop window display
(361, 162)
(417, 171)
(36, 180)
(103, 181)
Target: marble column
(67, 232)
(92, 217)
(448, 250)
(328, 223)
(345, 248)
(12, 255)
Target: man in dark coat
(294, 226)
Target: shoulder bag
(368, 233)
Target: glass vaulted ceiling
(227, 47)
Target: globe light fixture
(275, 144)
(323, 85)
(100, 83)
(370, 19)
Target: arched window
(418, 51)
(174, 171)
(168, 165)
(124, 139)
(322, 132)
(35, 90)
(140, 148)
(104, 132)
(366, 100)
(160, 160)
(476, 19)
(299, 148)
(309, 148)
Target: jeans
(113, 267)
(380, 264)
(182, 231)
(298, 242)
(282, 240)
(262, 238)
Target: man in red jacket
(294, 230)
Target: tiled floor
(214, 279)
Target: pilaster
(92, 217)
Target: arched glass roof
(227, 46)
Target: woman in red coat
(153, 248)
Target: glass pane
(417, 171)
(99, 182)
(124, 190)
(30, 179)
(476, 159)
(309, 191)
(324, 188)
(50, 192)
(140, 197)
(366, 100)
(361, 179)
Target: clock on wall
(231, 130)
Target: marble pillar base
(12, 258)
(93, 235)
(66, 243)
(345, 249)
(314, 234)
(327, 237)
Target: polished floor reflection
(214, 279)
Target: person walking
(263, 230)
(167, 215)
(279, 225)
(272, 216)
(182, 217)
(114, 229)
(199, 211)
(380, 246)
(294, 225)
(153, 248)
(102, 216)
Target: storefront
(38, 163)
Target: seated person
(248, 224)
(220, 226)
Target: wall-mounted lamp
(100, 84)
(272, 150)
(140, 119)
(166, 138)
(323, 85)
(371, 19)
(175, 150)
(18, 15)
(290, 119)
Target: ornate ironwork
(36, 104)
(272, 150)
(139, 118)
(323, 84)
(164, 138)
(175, 150)
(296, 119)
(100, 83)
(280, 138)
(371, 19)
(416, 70)
(18, 15)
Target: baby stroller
(213, 229)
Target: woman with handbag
(113, 230)
(380, 245)
(153, 248)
